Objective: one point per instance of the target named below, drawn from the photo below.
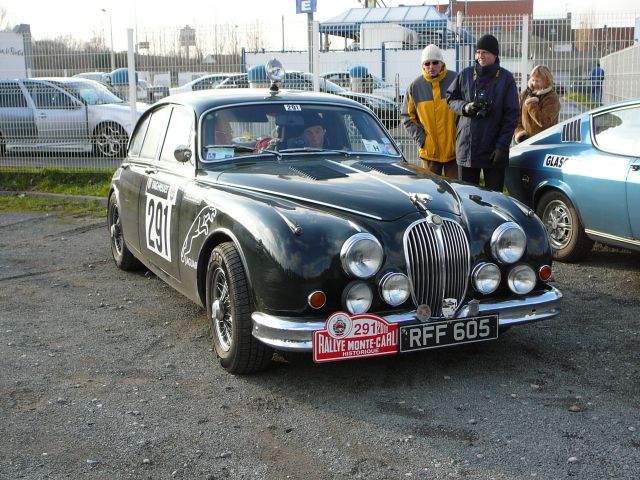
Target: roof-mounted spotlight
(275, 73)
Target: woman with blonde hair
(539, 104)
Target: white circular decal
(339, 325)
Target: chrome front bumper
(296, 333)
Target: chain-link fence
(52, 116)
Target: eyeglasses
(434, 63)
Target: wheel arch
(216, 238)
(559, 187)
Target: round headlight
(508, 243)
(486, 278)
(395, 288)
(361, 255)
(521, 279)
(357, 297)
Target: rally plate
(423, 336)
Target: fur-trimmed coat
(539, 110)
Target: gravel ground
(107, 374)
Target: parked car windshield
(92, 93)
(291, 128)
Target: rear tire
(569, 242)
(229, 309)
(121, 254)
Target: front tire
(569, 242)
(229, 308)
(121, 254)
(110, 141)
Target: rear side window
(179, 133)
(11, 96)
(617, 131)
(155, 132)
(138, 137)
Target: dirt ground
(107, 374)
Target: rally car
(295, 220)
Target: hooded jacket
(540, 110)
(478, 137)
(428, 119)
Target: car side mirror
(182, 153)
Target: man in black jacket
(486, 98)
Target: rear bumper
(296, 333)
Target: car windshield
(92, 93)
(284, 128)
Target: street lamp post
(113, 54)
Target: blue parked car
(582, 177)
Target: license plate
(428, 335)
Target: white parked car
(215, 80)
(63, 115)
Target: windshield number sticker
(219, 153)
(372, 146)
(292, 108)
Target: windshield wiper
(315, 150)
(244, 148)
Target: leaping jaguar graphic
(200, 226)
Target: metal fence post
(315, 55)
(525, 52)
(131, 65)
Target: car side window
(11, 96)
(138, 137)
(155, 132)
(49, 97)
(617, 131)
(180, 132)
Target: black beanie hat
(488, 43)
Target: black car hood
(371, 187)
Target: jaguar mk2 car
(583, 179)
(294, 219)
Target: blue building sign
(306, 6)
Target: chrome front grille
(438, 262)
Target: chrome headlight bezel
(522, 279)
(508, 243)
(354, 246)
(391, 284)
(479, 276)
(357, 297)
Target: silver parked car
(63, 115)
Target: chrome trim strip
(294, 197)
(296, 333)
(612, 237)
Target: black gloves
(471, 109)
(499, 158)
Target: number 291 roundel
(160, 201)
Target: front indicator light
(486, 278)
(317, 299)
(544, 273)
(521, 279)
(395, 288)
(357, 297)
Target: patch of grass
(90, 182)
(22, 203)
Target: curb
(57, 196)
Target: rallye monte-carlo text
(294, 219)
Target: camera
(482, 103)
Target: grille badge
(449, 307)
(423, 312)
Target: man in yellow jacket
(427, 117)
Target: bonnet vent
(386, 168)
(317, 172)
(572, 131)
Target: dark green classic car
(295, 220)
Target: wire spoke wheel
(121, 254)
(229, 307)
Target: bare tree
(5, 25)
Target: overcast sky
(85, 18)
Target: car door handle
(151, 170)
(635, 168)
(42, 115)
